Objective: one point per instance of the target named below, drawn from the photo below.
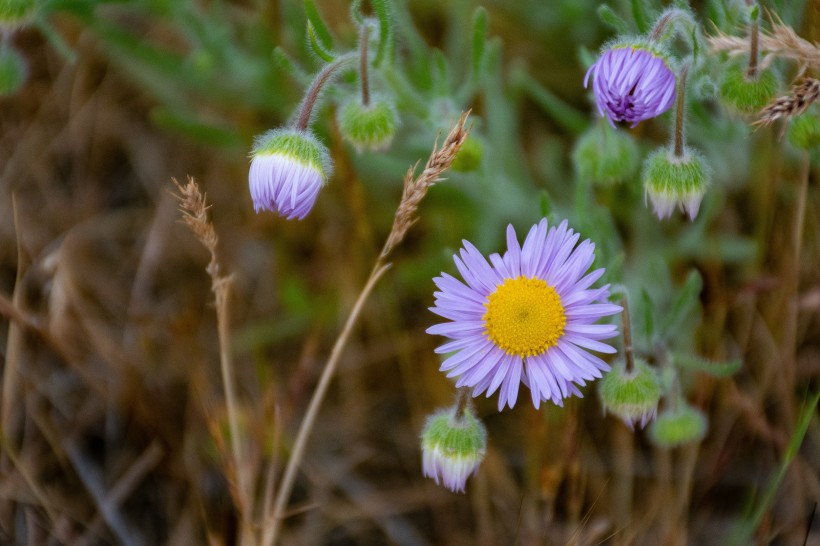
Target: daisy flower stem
(627, 327)
(462, 399)
(300, 443)
(363, 62)
(754, 36)
(679, 107)
(305, 110)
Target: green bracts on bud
(371, 126)
(604, 155)
(748, 95)
(631, 395)
(468, 158)
(675, 427)
(671, 181)
(13, 70)
(452, 447)
(804, 131)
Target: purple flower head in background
(631, 83)
(288, 168)
(525, 317)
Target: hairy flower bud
(468, 158)
(804, 131)
(631, 395)
(671, 181)
(632, 82)
(452, 447)
(748, 95)
(678, 426)
(288, 168)
(368, 127)
(605, 156)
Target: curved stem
(679, 110)
(363, 62)
(299, 445)
(305, 110)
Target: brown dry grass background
(113, 418)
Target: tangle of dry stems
(782, 41)
(416, 188)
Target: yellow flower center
(524, 316)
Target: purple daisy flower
(527, 317)
(631, 83)
(288, 168)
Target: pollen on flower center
(524, 316)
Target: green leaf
(561, 112)
(356, 12)
(316, 45)
(711, 367)
(647, 317)
(195, 129)
(479, 40)
(320, 30)
(611, 19)
(686, 302)
(640, 12)
(544, 203)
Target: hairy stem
(679, 106)
(363, 62)
(305, 110)
(627, 327)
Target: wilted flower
(632, 83)
(527, 318)
(675, 181)
(288, 169)
(631, 395)
(452, 447)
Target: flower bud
(605, 156)
(748, 95)
(631, 395)
(675, 427)
(288, 168)
(468, 158)
(368, 127)
(16, 13)
(452, 447)
(13, 70)
(671, 180)
(633, 81)
(804, 131)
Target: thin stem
(305, 110)
(462, 399)
(679, 105)
(363, 62)
(627, 327)
(754, 38)
(299, 445)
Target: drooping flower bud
(288, 168)
(671, 180)
(13, 70)
(370, 126)
(605, 156)
(804, 131)
(678, 426)
(632, 81)
(631, 395)
(452, 447)
(745, 94)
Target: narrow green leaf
(711, 367)
(440, 72)
(320, 30)
(686, 302)
(563, 114)
(316, 45)
(384, 12)
(479, 39)
(356, 12)
(647, 317)
(611, 19)
(283, 61)
(640, 12)
(544, 203)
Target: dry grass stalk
(416, 188)
(802, 95)
(194, 209)
(781, 42)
